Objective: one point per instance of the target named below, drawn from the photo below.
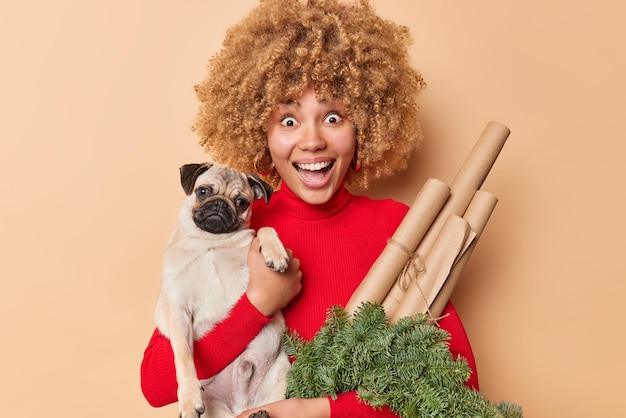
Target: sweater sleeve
(212, 353)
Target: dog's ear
(189, 173)
(261, 189)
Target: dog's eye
(203, 192)
(241, 204)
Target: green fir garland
(406, 366)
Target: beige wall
(96, 101)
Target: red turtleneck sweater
(336, 243)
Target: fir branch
(406, 366)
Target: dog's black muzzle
(217, 217)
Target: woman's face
(312, 144)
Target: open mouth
(314, 173)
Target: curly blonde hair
(344, 49)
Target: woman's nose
(312, 139)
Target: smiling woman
(347, 53)
(312, 145)
(313, 95)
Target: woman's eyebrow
(290, 102)
(294, 102)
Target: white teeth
(314, 167)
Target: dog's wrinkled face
(221, 197)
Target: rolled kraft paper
(396, 293)
(385, 270)
(438, 264)
(470, 177)
(477, 215)
(468, 180)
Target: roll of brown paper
(468, 180)
(385, 270)
(423, 289)
(477, 215)
(424, 221)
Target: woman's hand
(269, 291)
(294, 407)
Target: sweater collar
(287, 202)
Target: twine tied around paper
(410, 272)
(413, 267)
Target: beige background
(96, 104)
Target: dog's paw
(260, 414)
(191, 406)
(277, 263)
(190, 411)
(273, 251)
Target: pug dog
(204, 275)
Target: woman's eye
(288, 121)
(242, 204)
(333, 118)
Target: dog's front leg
(272, 249)
(189, 388)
